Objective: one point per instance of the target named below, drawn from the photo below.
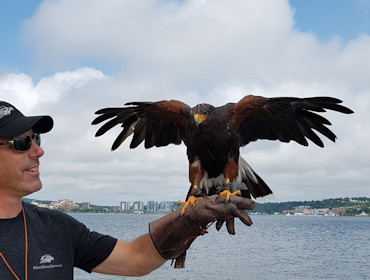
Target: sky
(69, 58)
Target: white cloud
(194, 51)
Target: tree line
(354, 205)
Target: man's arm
(135, 258)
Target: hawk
(214, 135)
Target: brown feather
(284, 118)
(156, 123)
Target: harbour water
(274, 247)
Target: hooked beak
(199, 118)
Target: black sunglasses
(23, 143)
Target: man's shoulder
(45, 213)
(35, 208)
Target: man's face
(19, 171)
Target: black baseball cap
(14, 123)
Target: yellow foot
(191, 201)
(227, 193)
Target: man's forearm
(135, 258)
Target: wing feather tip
(263, 199)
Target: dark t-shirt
(56, 243)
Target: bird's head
(199, 118)
(201, 112)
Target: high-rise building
(165, 206)
(138, 206)
(124, 206)
(152, 207)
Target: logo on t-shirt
(46, 259)
(47, 262)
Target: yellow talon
(191, 201)
(227, 193)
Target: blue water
(274, 247)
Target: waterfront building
(125, 206)
(304, 210)
(66, 205)
(86, 205)
(152, 207)
(138, 206)
(165, 206)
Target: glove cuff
(173, 234)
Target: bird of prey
(214, 135)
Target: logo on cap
(5, 111)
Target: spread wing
(157, 123)
(285, 118)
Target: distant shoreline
(355, 206)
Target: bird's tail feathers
(253, 184)
(248, 182)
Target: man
(38, 243)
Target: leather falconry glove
(173, 234)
